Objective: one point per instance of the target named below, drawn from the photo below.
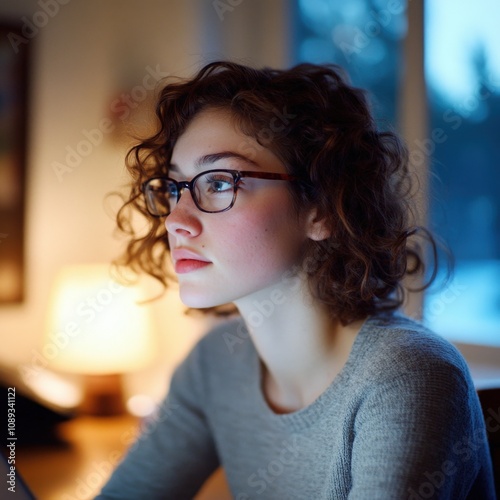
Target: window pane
(462, 66)
(362, 36)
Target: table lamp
(97, 328)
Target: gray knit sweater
(401, 421)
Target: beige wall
(85, 55)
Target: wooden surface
(77, 469)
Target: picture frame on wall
(14, 66)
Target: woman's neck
(301, 347)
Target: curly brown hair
(323, 131)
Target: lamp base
(103, 395)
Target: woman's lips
(186, 260)
(187, 265)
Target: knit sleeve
(419, 434)
(175, 452)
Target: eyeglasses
(213, 191)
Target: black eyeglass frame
(189, 185)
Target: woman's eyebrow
(214, 157)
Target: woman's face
(238, 254)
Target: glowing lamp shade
(96, 325)
(97, 328)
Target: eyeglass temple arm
(268, 175)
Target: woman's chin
(196, 301)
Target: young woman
(274, 191)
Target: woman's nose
(183, 220)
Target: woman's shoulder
(395, 344)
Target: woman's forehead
(214, 135)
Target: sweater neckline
(306, 416)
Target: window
(462, 71)
(363, 37)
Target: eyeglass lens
(211, 191)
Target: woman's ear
(317, 229)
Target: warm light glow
(95, 324)
(141, 405)
(54, 389)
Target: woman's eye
(171, 191)
(219, 185)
